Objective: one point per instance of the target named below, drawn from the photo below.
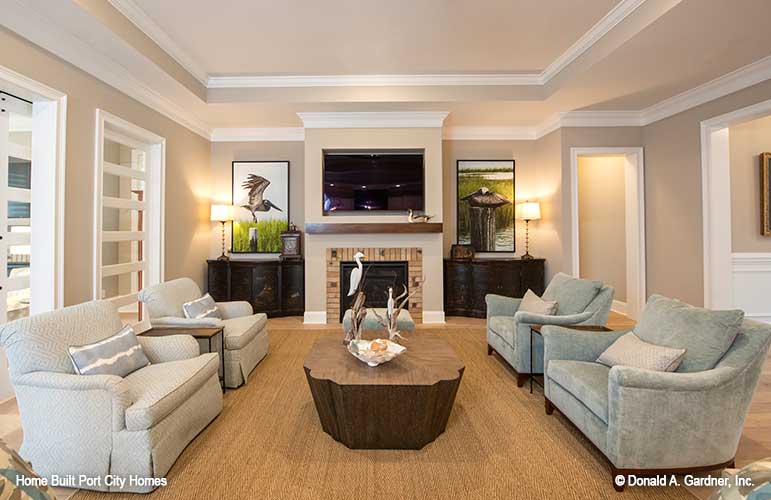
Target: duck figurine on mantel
(411, 217)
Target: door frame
(49, 110)
(634, 187)
(716, 202)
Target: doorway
(608, 222)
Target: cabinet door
(240, 282)
(505, 279)
(533, 276)
(266, 286)
(217, 282)
(292, 287)
(457, 288)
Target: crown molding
(26, 19)
(588, 39)
(746, 76)
(137, 16)
(258, 134)
(295, 81)
(463, 133)
(385, 119)
(600, 119)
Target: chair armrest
(636, 378)
(92, 401)
(172, 322)
(576, 345)
(547, 319)
(171, 348)
(235, 309)
(498, 305)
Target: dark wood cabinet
(466, 282)
(276, 288)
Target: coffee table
(402, 404)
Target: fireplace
(378, 276)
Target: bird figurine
(411, 217)
(256, 185)
(356, 273)
(390, 304)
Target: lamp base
(527, 256)
(223, 257)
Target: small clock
(291, 243)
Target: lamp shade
(529, 210)
(221, 213)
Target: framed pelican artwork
(261, 200)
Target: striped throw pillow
(118, 355)
(205, 307)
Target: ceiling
(490, 63)
(338, 37)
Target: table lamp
(222, 214)
(527, 211)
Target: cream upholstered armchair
(246, 333)
(101, 425)
(579, 302)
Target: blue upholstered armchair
(657, 422)
(579, 302)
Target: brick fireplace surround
(413, 257)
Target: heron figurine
(256, 185)
(356, 273)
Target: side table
(208, 334)
(536, 330)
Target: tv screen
(375, 181)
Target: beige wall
(746, 142)
(223, 154)
(601, 221)
(429, 139)
(188, 172)
(673, 195)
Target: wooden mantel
(373, 228)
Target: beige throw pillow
(532, 303)
(629, 350)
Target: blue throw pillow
(119, 355)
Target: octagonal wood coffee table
(402, 404)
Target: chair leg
(548, 406)
(489, 350)
(619, 480)
(521, 379)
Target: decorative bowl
(361, 349)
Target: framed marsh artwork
(765, 193)
(486, 205)
(261, 201)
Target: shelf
(374, 228)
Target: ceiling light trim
(279, 134)
(142, 21)
(384, 119)
(588, 39)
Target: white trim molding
(315, 318)
(433, 317)
(634, 195)
(300, 81)
(751, 282)
(619, 307)
(137, 16)
(489, 133)
(385, 119)
(716, 203)
(258, 134)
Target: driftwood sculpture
(395, 306)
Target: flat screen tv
(373, 181)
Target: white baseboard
(315, 318)
(751, 275)
(433, 317)
(619, 307)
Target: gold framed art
(765, 193)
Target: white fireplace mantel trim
(315, 318)
(374, 119)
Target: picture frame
(486, 229)
(260, 196)
(765, 194)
